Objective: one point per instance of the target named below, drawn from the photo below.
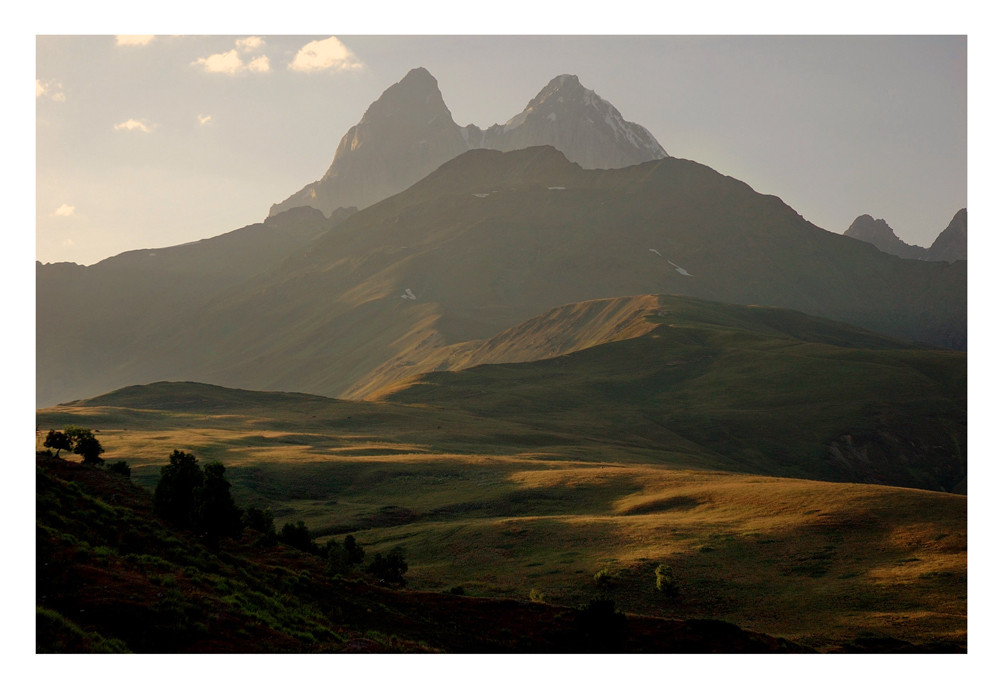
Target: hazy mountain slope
(879, 234)
(92, 321)
(950, 245)
(402, 136)
(409, 131)
(953, 243)
(765, 390)
(490, 240)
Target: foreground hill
(112, 578)
(486, 242)
(505, 510)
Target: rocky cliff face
(408, 132)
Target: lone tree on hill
(80, 440)
(57, 440)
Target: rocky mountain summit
(408, 132)
(877, 232)
(950, 245)
(577, 121)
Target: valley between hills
(542, 381)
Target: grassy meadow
(504, 509)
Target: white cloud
(204, 119)
(52, 89)
(64, 210)
(133, 39)
(261, 64)
(229, 63)
(134, 125)
(325, 54)
(251, 43)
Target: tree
(342, 558)
(58, 440)
(355, 552)
(174, 497)
(390, 568)
(215, 511)
(299, 537)
(85, 444)
(260, 520)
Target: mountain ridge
(409, 131)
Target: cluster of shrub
(607, 578)
(198, 498)
(341, 557)
(81, 441)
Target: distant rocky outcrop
(877, 232)
(408, 132)
(950, 245)
(953, 243)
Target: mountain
(951, 244)
(130, 299)
(587, 129)
(403, 135)
(409, 131)
(879, 234)
(487, 241)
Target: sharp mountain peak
(410, 127)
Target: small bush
(121, 467)
(536, 596)
(607, 578)
(665, 582)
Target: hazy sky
(153, 141)
(145, 142)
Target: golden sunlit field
(822, 564)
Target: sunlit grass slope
(831, 565)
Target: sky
(145, 141)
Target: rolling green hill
(764, 390)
